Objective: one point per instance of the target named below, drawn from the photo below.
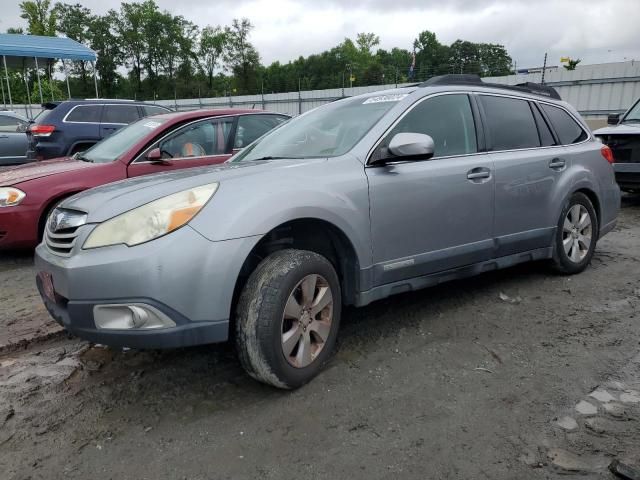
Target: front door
(194, 145)
(13, 140)
(433, 215)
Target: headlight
(152, 220)
(10, 197)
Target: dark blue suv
(64, 128)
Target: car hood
(621, 129)
(107, 201)
(31, 171)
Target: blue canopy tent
(28, 50)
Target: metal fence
(594, 90)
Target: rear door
(197, 144)
(13, 140)
(117, 116)
(528, 164)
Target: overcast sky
(594, 30)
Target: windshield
(118, 143)
(634, 114)
(328, 131)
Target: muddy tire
(288, 317)
(576, 235)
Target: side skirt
(417, 283)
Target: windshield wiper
(269, 157)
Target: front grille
(61, 242)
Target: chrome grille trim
(61, 230)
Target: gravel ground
(515, 374)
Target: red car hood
(31, 171)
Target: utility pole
(299, 97)
(544, 68)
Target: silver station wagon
(354, 201)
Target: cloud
(594, 30)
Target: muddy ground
(515, 374)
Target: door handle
(478, 173)
(557, 164)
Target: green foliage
(572, 64)
(40, 19)
(146, 53)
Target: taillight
(607, 153)
(41, 130)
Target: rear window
(511, 124)
(153, 110)
(120, 114)
(565, 126)
(85, 113)
(41, 117)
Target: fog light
(135, 316)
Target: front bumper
(19, 226)
(188, 278)
(627, 174)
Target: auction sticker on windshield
(396, 97)
(152, 124)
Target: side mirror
(613, 119)
(408, 146)
(155, 156)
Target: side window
(153, 110)
(85, 113)
(9, 124)
(120, 114)
(510, 123)
(252, 127)
(197, 140)
(447, 119)
(565, 126)
(546, 138)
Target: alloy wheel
(306, 322)
(576, 233)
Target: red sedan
(154, 144)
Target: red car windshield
(119, 143)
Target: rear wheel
(288, 317)
(576, 235)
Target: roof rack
(467, 79)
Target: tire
(575, 241)
(262, 324)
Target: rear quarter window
(85, 113)
(567, 129)
(153, 110)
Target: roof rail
(468, 79)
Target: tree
(106, 44)
(494, 60)
(213, 42)
(572, 64)
(74, 22)
(240, 56)
(366, 42)
(40, 21)
(16, 30)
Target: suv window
(252, 127)
(565, 126)
(546, 137)
(120, 114)
(9, 124)
(510, 123)
(153, 110)
(195, 140)
(85, 113)
(447, 119)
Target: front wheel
(576, 235)
(288, 317)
